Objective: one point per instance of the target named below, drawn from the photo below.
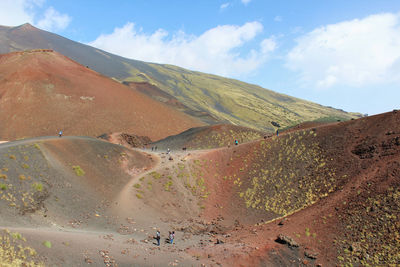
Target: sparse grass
(136, 185)
(167, 185)
(47, 244)
(38, 187)
(25, 166)
(3, 186)
(139, 196)
(13, 252)
(78, 170)
(155, 175)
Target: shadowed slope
(42, 92)
(205, 96)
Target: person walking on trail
(60, 133)
(168, 150)
(277, 132)
(171, 237)
(158, 237)
(236, 142)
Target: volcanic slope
(331, 193)
(207, 137)
(66, 202)
(42, 92)
(208, 97)
(324, 195)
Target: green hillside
(231, 100)
(227, 100)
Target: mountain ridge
(226, 99)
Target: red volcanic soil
(42, 92)
(338, 198)
(323, 196)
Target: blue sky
(344, 54)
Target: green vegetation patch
(13, 251)
(370, 233)
(78, 170)
(287, 175)
(3, 186)
(155, 175)
(37, 187)
(47, 244)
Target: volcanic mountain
(326, 195)
(42, 92)
(205, 96)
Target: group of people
(170, 239)
(154, 148)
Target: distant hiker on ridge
(236, 142)
(60, 134)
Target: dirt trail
(125, 198)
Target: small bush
(155, 175)
(78, 170)
(3, 176)
(3, 186)
(22, 177)
(37, 186)
(136, 185)
(139, 196)
(47, 244)
(25, 166)
(12, 157)
(167, 185)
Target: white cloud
(17, 12)
(224, 5)
(278, 18)
(215, 51)
(353, 53)
(53, 20)
(246, 1)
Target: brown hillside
(42, 92)
(207, 137)
(321, 196)
(337, 186)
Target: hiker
(171, 237)
(277, 132)
(236, 142)
(168, 150)
(60, 134)
(158, 237)
(155, 148)
(152, 148)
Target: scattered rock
(283, 239)
(311, 254)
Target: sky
(342, 53)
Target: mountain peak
(26, 26)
